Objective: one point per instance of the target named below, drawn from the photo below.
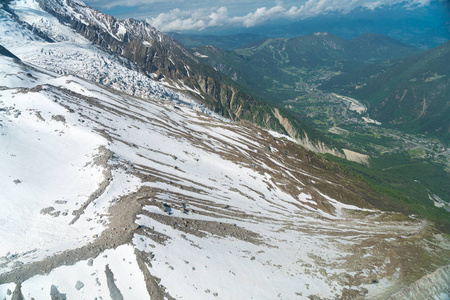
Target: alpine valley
(131, 167)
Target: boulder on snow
(79, 285)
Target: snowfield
(117, 187)
(71, 53)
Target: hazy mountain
(273, 67)
(319, 48)
(226, 42)
(377, 47)
(414, 25)
(411, 95)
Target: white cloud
(219, 17)
(178, 20)
(200, 19)
(203, 18)
(261, 15)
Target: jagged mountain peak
(76, 10)
(93, 23)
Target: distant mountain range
(226, 42)
(373, 68)
(412, 94)
(273, 67)
(423, 27)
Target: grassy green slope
(408, 185)
(272, 68)
(412, 95)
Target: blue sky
(199, 15)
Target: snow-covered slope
(110, 196)
(70, 53)
(178, 199)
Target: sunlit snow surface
(71, 53)
(48, 168)
(53, 159)
(139, 195)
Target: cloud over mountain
(202, 18)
